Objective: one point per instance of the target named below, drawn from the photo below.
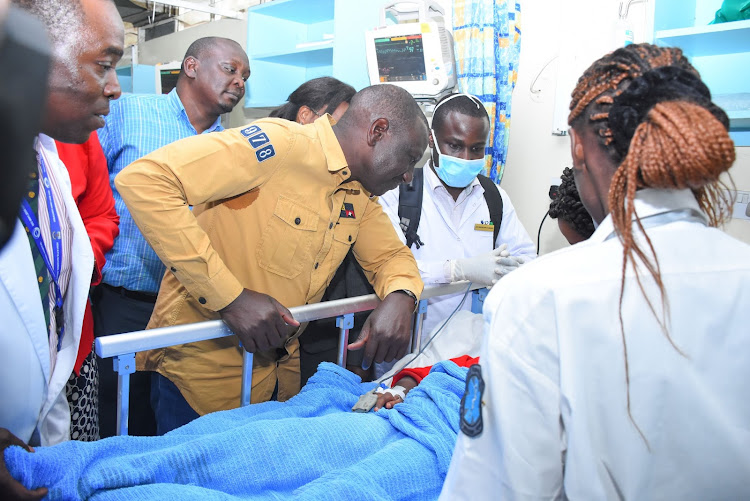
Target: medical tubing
(445, 322)
(539, 233)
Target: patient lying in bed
(310, 447)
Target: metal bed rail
(123, 347)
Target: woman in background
(315, 98)
(574, 222)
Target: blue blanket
(311, 447)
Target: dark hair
(464, 104)
(316, 94)
(567, 206)
(655, 119)
(198, 48)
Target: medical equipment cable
(538, 75)
(539, 234)
(445, 322)
(553, 194)
(624, 15)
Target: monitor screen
(168, 80)
(400, 58)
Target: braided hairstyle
(567, 206)
(655, 119)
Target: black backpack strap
(494, 204)
(410, 208)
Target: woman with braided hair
(616, 368)
(574, 221)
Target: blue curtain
(487, 42)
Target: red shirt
(89, 179)
(420, 372)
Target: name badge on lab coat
(484, 226)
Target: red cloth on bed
(420, 372)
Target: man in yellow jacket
(277, 207)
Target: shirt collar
(174, 101)
(46, 142)
(337, 164)
(176, 104)
(650, 202)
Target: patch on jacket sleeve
(471, 403)
(259, 139)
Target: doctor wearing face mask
(457, 169)
(457, 236)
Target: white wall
(172, 47)
(578, 31)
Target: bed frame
(123, 347)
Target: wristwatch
(410, 294)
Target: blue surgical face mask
(456, 172)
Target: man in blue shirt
(211, 82)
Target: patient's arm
(411, 377)
(388, 400)
(9, 487)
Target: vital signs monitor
(416, 56)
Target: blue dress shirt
(138, 124)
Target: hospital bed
(123, 347)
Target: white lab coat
(34, 406)
(554, 408)
(446, 237)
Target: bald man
(283, 207)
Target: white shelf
(739, 119)
(311, 56)
(737, 107)
(720, 52)
(709, 40)
(312, 11)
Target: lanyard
(686, 215)
(55, 265)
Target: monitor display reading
(400, 58)
(168, 80)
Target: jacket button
(202, 300)
(330, 225)
(344, 173)
(350, 238)
(297, 221)
(316, 266)
(173, 269)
